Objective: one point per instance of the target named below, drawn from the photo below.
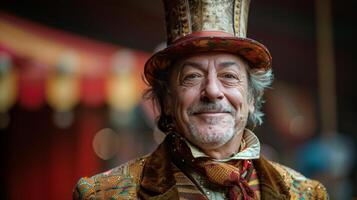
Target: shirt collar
(251, 151)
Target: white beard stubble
(212, 137)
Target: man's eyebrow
(228, 64)
(223, 64)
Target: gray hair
(258, 81)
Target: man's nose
(212, 90)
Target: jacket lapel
(272, 185)
(161, 179)
(157, 180)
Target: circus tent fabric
(55, 92)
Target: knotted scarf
(233, 174)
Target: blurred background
(71, 90)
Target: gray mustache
(210, 107)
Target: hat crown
(184, 17)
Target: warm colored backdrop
(70, 99)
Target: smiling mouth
(211, 113)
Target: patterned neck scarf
(233, 174)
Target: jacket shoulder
(300, 186)
(118, 183)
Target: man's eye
(191, 78)
(230, 78)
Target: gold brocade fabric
(185, 17)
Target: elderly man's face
(209, 98)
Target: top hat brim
(254, 52)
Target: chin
(210, 139)
(211, 145)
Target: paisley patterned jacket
(156, 177)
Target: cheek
(236, 98)
(182, 101)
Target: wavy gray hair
(258, 81)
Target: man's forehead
(219, 58)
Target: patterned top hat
(195, 26)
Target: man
(208, 84)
